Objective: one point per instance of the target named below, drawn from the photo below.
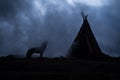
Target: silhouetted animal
(38, 50)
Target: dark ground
(59, 68)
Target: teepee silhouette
(85, 44)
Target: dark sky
(27, 23)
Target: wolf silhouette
(38, 50)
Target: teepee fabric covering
(85, 44)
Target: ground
(59, 68)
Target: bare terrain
(59, 68)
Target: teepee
(85, 44)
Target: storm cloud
(27, 23)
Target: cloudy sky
(27, 23)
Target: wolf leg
(29, 54)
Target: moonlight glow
(39, 7)
(93, 3)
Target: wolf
(38, 50)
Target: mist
(27, 23)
